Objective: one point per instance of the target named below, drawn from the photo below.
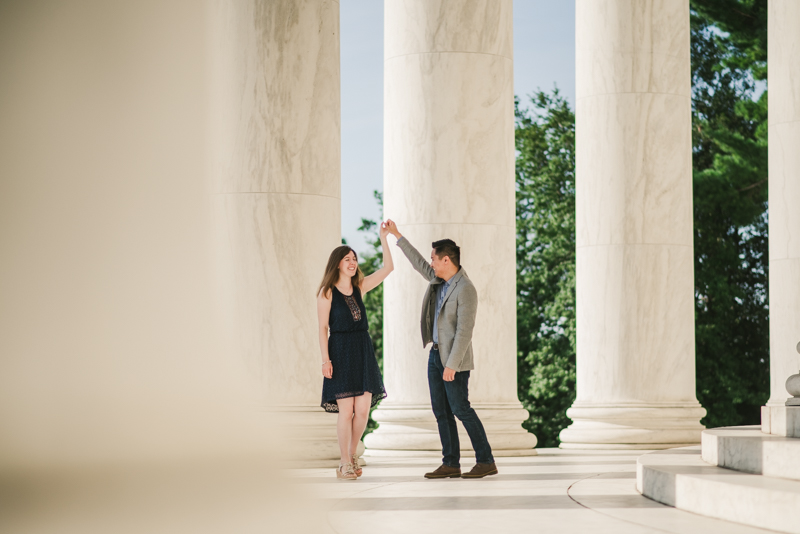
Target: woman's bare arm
(372, 281)
(323, 317)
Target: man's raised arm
(417, 260)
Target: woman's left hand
(384, 230)
(327, 369)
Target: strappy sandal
(345, 472)
(356, 467)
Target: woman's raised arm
(372, 281)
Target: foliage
(745, 23)
(545, 184)
(729, 136)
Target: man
(448, 317)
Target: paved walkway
(555, 492)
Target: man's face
(438, 264)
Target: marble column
(449, 172)
(635, 286)
(112, 358)
(277, 159)
(784, 194)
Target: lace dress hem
(330, 406)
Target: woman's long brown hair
(332, 271)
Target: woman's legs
(352, 421)
(361, 415)
(344, 427)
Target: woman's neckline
(353, 290)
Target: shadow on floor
(486, 502)
(383, 478)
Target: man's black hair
(448, 247)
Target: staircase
(746, 474)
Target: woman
(352, 383)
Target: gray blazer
(457, 316)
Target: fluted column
(784, 194)
(449, 173)
(635, 285)
(277, 160)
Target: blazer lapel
(453, 283)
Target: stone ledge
(781, 421)
(466, 453)
(632, 426)
(680, 478)
(408, 429)
(747, 449)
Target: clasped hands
(389, 227)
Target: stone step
(747, 449)
(781, 420)
(680, 478)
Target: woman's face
(348, 266)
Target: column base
(412, 430)
(780, 401)
(309, 435)
(633, 427)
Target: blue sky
(544, 57)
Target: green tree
(729, 136)
(545, 186)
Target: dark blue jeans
(449, 399)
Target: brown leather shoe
(444, 471)
(481, 470)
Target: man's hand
(392, 227)
(449, 374)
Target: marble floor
(557, 491)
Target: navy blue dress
(355, 369)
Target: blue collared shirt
(442, 291)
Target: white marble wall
(784, 194)
(449, 172)
(635, 285)
(277, 162)
(112, 355)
